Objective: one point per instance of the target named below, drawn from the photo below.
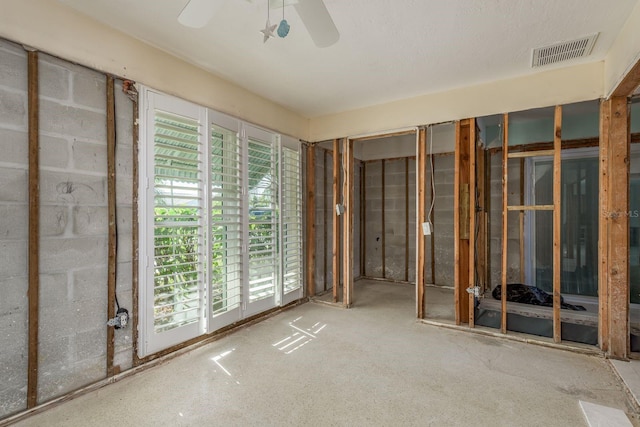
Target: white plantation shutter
(178, 221)
(291, 213)
(263, 220)
(220, 229)
(226, 221)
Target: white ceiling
(388, 49)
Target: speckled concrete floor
(372, 365)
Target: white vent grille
(564, 51)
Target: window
(579, 223)
(217, 242)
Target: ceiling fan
(313, 13)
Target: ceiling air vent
(564, 51)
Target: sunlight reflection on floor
(299, 337)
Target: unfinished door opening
(382, 194)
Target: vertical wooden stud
(521, 221)
(347, 243)
(618, 230)
(420, 244)
(472, 220)
(363, 218)
(406, 219)
(111, 203)
(603, 224)
(325, 205)
(384, 228)
(135, 262)
(505, 218)
(335, 252)
(34, 226)
(557, 198)
(461, 221)
(311, 221)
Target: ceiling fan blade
(316, 18)
(197, 13)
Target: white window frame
(530, 245)
(149, 100)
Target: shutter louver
(178, 218)
(263, 220)
(291, 211)
(226, 221)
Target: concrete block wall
(412, 220)
(75, 226)
(373, 220)
(123, 352)
(319, 273)
(324, 233)
(14, 211)
(443, 231)
(73, 244)
(357, 228)
(395, 212)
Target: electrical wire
(433, 184)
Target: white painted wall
(624, 53)
(54, 28)
(560, 86)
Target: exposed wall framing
(406, 219)
(557, 198)
(134, 223)
(311, 222)
(59, 212)
(422, 182)
(462, 214)
(111, 209)
(336, 221)
(472, 222)
(383, 223)
(347, 242)
(363, 217)
(325, 237)
(34, 226)
(614, 228)
(505, 218)
(555, 208)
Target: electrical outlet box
(426, 228)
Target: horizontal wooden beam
(521, 154)
(566, 144)
(387, 135)
(530, 208)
